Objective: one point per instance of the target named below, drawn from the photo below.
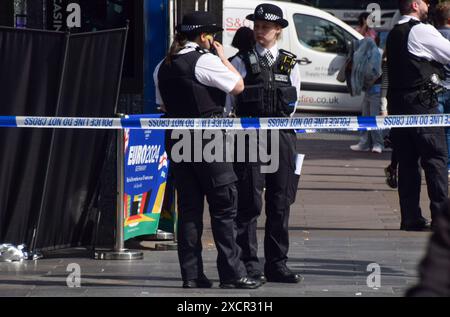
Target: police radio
(213, 50)
(288, 61)
(211, 40)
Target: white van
(320, 42)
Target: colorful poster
(146, 172)
(169, 215)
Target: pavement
(344, 228)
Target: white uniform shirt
(427, 42)
(210, 71)
(239, 64)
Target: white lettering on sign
(140, 155)
(57, 15)
(73, 19)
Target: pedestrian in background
(391, 170)
(243, 41)
(372, 106)
(363, 26)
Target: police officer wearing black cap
(191, 83)
(272, 81)
(416, 53)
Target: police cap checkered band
(199, 22)
(270, 13)
(272, 17)
(189, 28)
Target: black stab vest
(183, 95)
(406, 71)
(269, 91)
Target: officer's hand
(219, 49)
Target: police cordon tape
(301, 124)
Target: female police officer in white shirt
(191, 83)
(272, 86)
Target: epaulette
(287, 53)
(287, 61)
(202, 50)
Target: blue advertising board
(146, 171)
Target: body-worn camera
(254, 63)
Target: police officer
(416, 53)
(191, 83)
(272, 81)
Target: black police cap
(270, 13)
(199, 22)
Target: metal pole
(120, 191)
(119, 252)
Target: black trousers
(428, 148)
(216, 181)
(414, 146)
(281, 188)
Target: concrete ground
(345, 218)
